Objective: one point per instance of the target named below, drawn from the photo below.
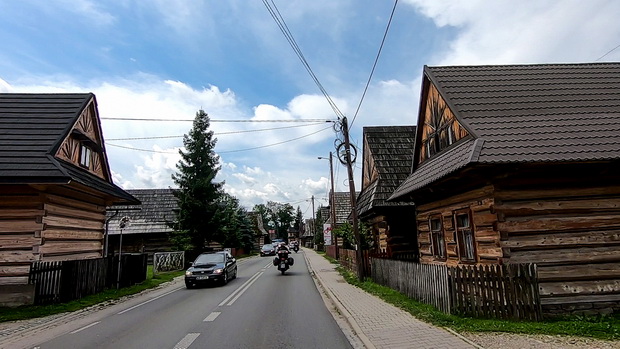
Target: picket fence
(487, 291)
(63, 281)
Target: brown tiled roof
(391, 148)
(526, 114)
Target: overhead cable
(218, 152)
(375, 63)
(277, 17)
(220, 120)
(216, 133)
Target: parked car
(267, 250)
(213, 267)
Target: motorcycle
(283, 261)
(296, 248)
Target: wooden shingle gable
(86, 135)
(388, 154)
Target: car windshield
(267, 247)
(209, 258)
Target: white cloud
(500, 32)
(245, 179)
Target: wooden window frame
(465, 237)
(438, 238)
(85, 155)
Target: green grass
(32, 311)
(599, 327)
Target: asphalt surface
(260, 309)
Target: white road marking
(240, 288)
(187, 341)
(212, 316)
(85, 327)
(244, 289)
(150, 300)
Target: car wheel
(235, 274)
(225, 278)
(189, 284)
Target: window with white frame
(85, 154)
(465, 236)
(438, 240)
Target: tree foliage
(199, 195)
(345, 232)
(277, 216)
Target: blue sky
(167, 59)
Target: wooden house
(387, 157)
(149, 223)
(55, 183)
(521, 163)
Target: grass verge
(599, 327)
(34, 311)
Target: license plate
(202, 277)
(282, 265)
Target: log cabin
(387, 156)
(55, 184)
(521, 163)
(149, 223)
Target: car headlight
(218, 271)
(188, 273)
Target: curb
(343, 311)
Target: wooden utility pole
(313, 222)
(333, 204)
(356, 233)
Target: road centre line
(239, 289)
(212, 316)
(85, 327)
(187, 341)
(145, 302)
(244, 289)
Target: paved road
(260, 309)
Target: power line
(277, 17)
(220, 152)
(610, 51)
(219, 120)
(375, 63)
(271, 145)
(216, 134)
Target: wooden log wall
(573, 236)
(21, 223)
(74, 229)
(487, 242)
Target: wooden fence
(423, 282)
(497, 291)
(348, 259)
(63, 281)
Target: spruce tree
(198, 194)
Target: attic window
(85, 154)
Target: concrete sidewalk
(377, 323)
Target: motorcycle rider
(282, 248)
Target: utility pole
(356, 233)
(333, 204)
(313, 222)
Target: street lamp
(332, 205)
(121, 224)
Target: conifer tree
(198, 194)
